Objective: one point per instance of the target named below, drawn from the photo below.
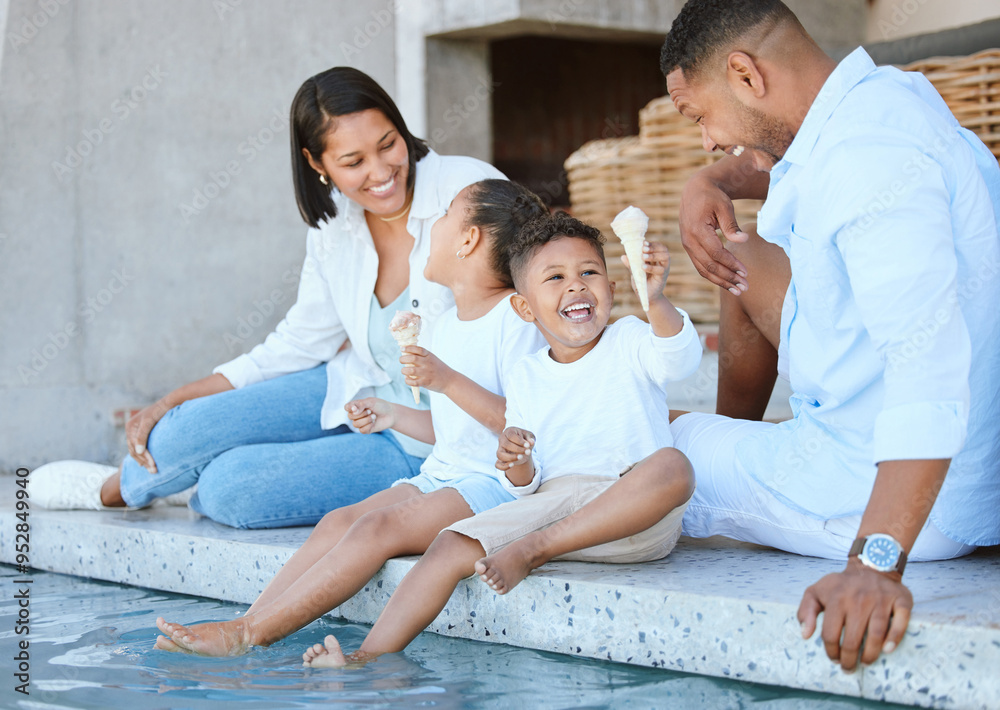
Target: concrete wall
(148, 229)
(894, 19)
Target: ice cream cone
(405, 329)
(630, 226)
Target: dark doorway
(552, 95)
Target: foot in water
(325, 655)
(329, 655)
(221, 638)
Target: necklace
(401, 214)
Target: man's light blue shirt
(888, 211)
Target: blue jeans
(261, 459)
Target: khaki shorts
(556, 499)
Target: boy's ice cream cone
(405, 329)
(630, 226)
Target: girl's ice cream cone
(405, 329)
(630, 226)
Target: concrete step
(714, 607)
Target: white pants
(729, 501)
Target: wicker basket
(971, 88)
(648, 171)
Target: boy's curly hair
(705, 27)
(539, 232)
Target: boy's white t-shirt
(483, 350)
(605, 412)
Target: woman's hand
(421, 368)
(137, 432)
(138, 427)
(371, 414)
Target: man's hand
(371, 414)
(856, 602)
(421, 368)
(704, 209)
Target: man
(872, 286)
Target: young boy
(581, 414)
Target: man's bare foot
(325, 655)
(506, 569)
(111, 491)
(221, 638)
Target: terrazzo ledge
(713, 607)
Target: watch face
(882, 552)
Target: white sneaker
(70, 485)
(181, 498)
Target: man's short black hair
(705, 27)
(539, 232)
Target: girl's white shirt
(336, 287)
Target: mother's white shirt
(336, 287)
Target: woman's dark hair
(539, 232)
(500, 208)
(336, 92)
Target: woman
(265, 436)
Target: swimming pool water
(92, 647)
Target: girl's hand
(656, 264)
(421, 368)
(371, 414)
(515, 448)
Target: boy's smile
(567, 293)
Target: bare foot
(506, 569)
(221, 638)
(111, 491)
(325, 655)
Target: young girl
(481, 337)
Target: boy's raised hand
(515, 448)
(422, 368)
(371, 414)
(656, 264)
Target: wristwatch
(880, 552)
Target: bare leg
(645, 495)
(111, 491)
(420, 597)
(328, 532)
(406, 528)
(749, 327)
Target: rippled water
(92, 647)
